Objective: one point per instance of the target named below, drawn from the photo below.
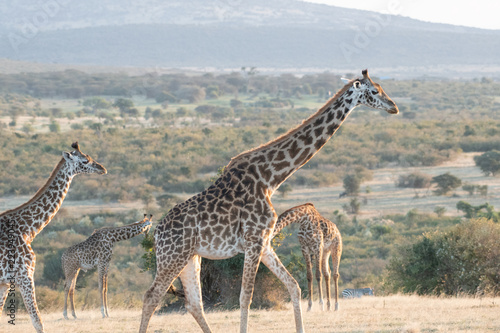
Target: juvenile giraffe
(319, 238)
(96, 251)
(235, 214)
(19, 226)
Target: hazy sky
(476, 13)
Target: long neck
(122, 233)
(292, 215)
(31, 217)
(274, 162)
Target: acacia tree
(352, 184)
(489, 162)
(446, 183)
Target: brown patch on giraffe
(319, 131)
(265, 172)
(294, 149)
(319, 143)
(304, 157)
(280, 166)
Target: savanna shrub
(414, 180)
(463, 259)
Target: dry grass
(399, 314)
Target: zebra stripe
(357, 293)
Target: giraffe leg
(326, 274)
(68, 284)
(336, 254)
(27, 286)
(72, 293)
(162, 282)
(105, 293)
(307, 258)
(102, 273)
(3, 296)
(319, 277)
(190, 277)
(271, 260)
(253, 254)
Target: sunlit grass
(405, 314)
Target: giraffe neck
(116, 234)
(31, 217)
(290, 216)
(272, 163)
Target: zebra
(352, 293)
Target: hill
(273, 35)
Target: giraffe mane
(40, 191)
(295, 207)
(116, 228)
(295, 129)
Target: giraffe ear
(344, 80)
(67, 156)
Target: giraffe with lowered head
(96, 251)
(319, 238)
(19, 227)
(235, 214)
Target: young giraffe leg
(307, 258)
(3, 296)
(105, 293)
(319, 276)
(162, 282)
(336, 254)
(102, 270)
(190, 277)
(72, 288)
(27, 286)
(68, 284)
(271, 260)
(326, 274)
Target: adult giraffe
(235, 214)
(19, 226)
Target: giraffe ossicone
(235, 214)
(19, 226)
(96, 251)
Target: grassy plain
(398, 314)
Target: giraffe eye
(374, 92)
(86, 162)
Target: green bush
(463, 259)
(414, 180)
(489, 162)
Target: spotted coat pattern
(19, 226)
(96, 251)
(235, 214)
(319, 239)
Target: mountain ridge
(233, 33)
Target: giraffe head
(371, 94)
(82, 163)
(146, 223)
